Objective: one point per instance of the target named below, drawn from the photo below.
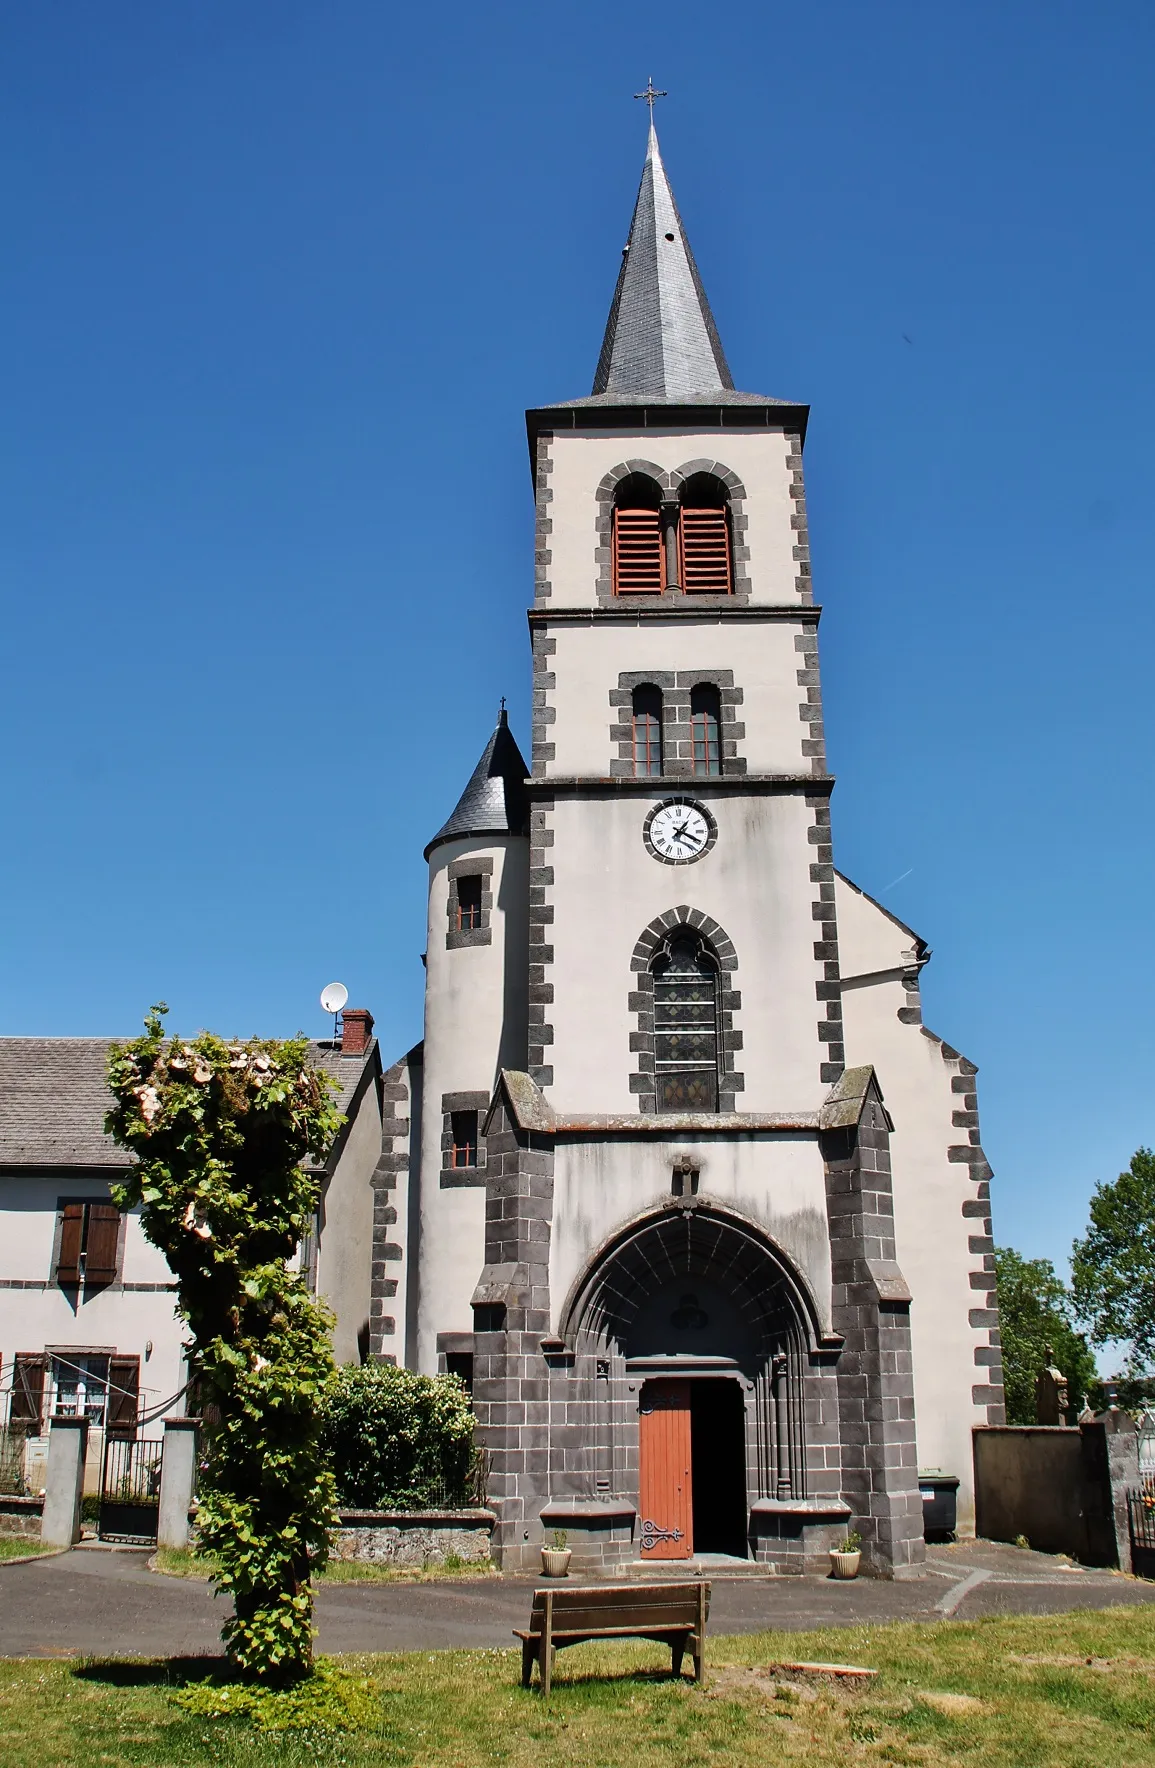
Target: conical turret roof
(495, 801)
(661, 341)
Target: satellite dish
(333, 997)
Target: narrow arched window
(647, 732)
(704, 537)
(686, 1026)
(637, 537)
(706, 728)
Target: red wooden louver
(704, 545)
(637, 552)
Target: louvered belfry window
(637, 552)
(686, 1028)
(704, 544)
(704, 553)
(638, 537)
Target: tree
(220, 1133)
(1036, 1329)
(1113, 1266)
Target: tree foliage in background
(1113, 1266)
(398, 1440)
(1035, 1312)
(220, 1133)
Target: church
(677, 1179)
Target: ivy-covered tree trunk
(221, 1133)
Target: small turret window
(637, 537)
(647, 732)
(469, 902)
(705, 729)
(464, 1149)
(704, 552)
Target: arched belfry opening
(699, 1332)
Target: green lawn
(1070, 1691)
(19, 1547)
(183, 1563)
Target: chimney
(356, 1030)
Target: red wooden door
(664, 1444)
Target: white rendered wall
(931, 1233)
(580, 461)
(476, 1005)
(755, 883)
(762, 656)
(345, 1246)
(776, 1182)
(116, 1320)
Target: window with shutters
(637, 537)
(80, 1387)
(88, 1243)
(704, 550)
(705, 729)
(686, 1027)
(647, 731)
(28, 1372)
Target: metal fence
(1141, 1515)
(13, 1442)
(130, 1489)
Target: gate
(130, 1489)
(1141, 1515)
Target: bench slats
(673, 1614)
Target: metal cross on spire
(650, 94)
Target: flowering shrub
(398, 1441)
(220, 1132)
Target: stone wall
(414, 1538)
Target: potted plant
(556, 1557)
(846, 1557)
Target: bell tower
(678, 767)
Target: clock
(678, 831)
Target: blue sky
(278, 282)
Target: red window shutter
(123, 1393)
(28, 1389)
(637, 552)
(101, 1245)
(71, 1240)
(704, 545)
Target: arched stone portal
(698, 1335)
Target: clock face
(679, 832)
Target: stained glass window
(647, 732)
(704, 722)
(686, 1028)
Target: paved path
(96, 1601)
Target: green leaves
(400, 1440)
(1113, 1266)
(221, 1132)
(1035, 1312)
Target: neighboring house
(87, 1317)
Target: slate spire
(495, 800)
(661, 340)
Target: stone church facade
(677, 1178)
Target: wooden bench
(672, 1614)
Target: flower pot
(844, 1565)
(555, 1561)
